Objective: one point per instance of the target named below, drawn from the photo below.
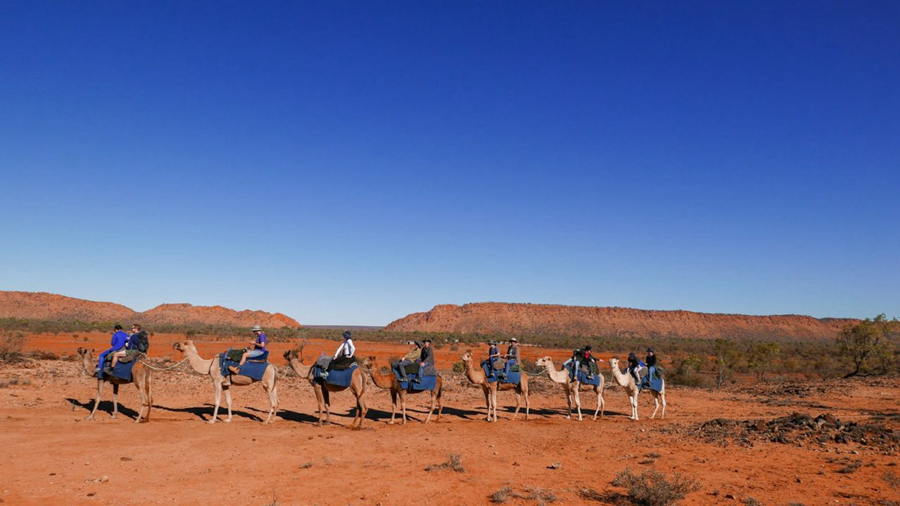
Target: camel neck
(556, 376)
(299, 368)
(620, 377)
(380, 380)
(199, 364)
(473, 375)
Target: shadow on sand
(106, 406)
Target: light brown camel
(573, 387)
(210, 367)
(140, 377)
(323, 395)
(476, 376)
(390, 382)
(626, 381)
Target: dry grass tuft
(453, 463)
(652, 488)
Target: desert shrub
(751, 501)
(652, 488)
(761, 357)
(869, 346)
(11, 347)
(43, 355)
(453, 463)
(687, 372)
(455, 347)
(500, 496)
(459, 366)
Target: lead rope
(146, 364)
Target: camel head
(614, 363)
(543, 362)
(85, 352)
(185, 346)
(467, 356)
(369, 362)
(290, 355)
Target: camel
(390, 382)
(476, 375)
(626, 381)
(573, 387)
(140, 375)
(210, 367)
(323, 395)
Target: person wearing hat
(512, 356)
(651, 365)
(256, 348)
(117, 342)
(634, 367)
(343, 357)
(426, 359)
(409, 359)
(589, 361)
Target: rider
(634, 367)
(117, 342)
(137, 343)
(589, 361)
(512, 356)
(410, 358)
(343, 357)
(493, 354)
(651, 364)
(426, 359)
(257, 348)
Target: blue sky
(355, 162)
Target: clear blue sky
(352, 162)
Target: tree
(726, 357)
(760, 357)
(868, 346)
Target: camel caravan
(415, 373)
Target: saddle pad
(655, 383)
(253, 370)
(595, 380)
(338, 378)
(488, 371)
(427, 382)
(123, 370)
(513, 378)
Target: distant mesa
(48, 306)
(554, 320)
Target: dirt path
(54, 456)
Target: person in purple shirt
(117, 342)
(257, 348)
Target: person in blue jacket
(117, 342)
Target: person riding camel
(343, 357)
(257, 348)
(409, 359)
(651, 365)
(635, 367)
(512, 356)
(137, 343)
(589, 361)
(493, 354)
(426, 360)
(117, 342)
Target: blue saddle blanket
(251, 369)
(652, 381)
(426, 383)
(336, 378)
(513, 378)
(123, 371)
(582, 377)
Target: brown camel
(323, 395)
(572, 387)
(476, 376)
(390, 382)
(210, 367)
(140, 375)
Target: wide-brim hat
(256, 329)
(418, 343)
(513, 340)
(347, 334)
(491, 343)
(649, 350)
(426, 340)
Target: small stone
(729, 496)
(104, 479)
(126, 459)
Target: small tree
(868, 346)
(760, 357)
(726, 356)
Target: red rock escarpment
(48, 306)
(542, 319)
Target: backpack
(143, 343)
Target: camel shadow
(205, 413)
(106, 406)
(465, 414)
(290, 416)
(542, 412)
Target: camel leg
(115, 413)
(228, 402)
(431, 409)
(140, 384)
(494, 402)
(527, 405)
(320, 402)
(363, 409)
(518, 401)
(403, 406)
(599, 403)
(656, 405)
(487, 401)
(568, 403)
(578, 401)
(149, 388)
(634, 407)
(440, 401)
(326, 396)
(97, 400)
(393, 405)
(273, 404)
(217, 389)
(662, 396)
